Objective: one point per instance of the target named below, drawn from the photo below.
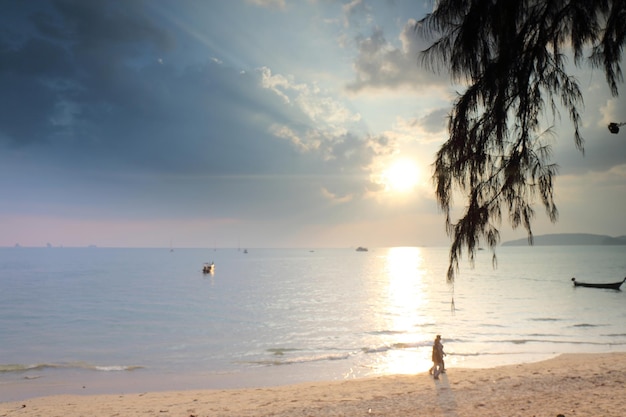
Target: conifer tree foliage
(512, 55)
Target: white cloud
(337, 199)
(612, 112)
(381, 65)
(325, 113)
(354, 9)
(302, 145)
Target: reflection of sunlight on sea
(405, 286)
(402, 361)
(403, 312)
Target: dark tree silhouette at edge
(512, 54)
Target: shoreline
(580, 384)
(78, 379)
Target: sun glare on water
(401, 176)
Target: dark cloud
(602, 149)
(382, 65)
(435, 121)
(69, 62)
(105, 26)
(96, 101)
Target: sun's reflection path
(404, 313)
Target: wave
(395, 346)
(281, 356)
(551, 341)
(300, 359)
(295, 356)
(557, 342)
(289, 356)
(385, 332)
(8, 368)
(281, 351)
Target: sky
(250, 123)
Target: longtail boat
(609, 285)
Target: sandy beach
(571, 385)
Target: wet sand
(571, 385)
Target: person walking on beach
(442, 354)
(437, 357)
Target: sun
(402, 176)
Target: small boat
(361, 249)
(208, 268)
(609, 285)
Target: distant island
(569, 239)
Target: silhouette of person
(437, 357)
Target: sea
(115, 321)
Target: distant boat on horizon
(361, 249)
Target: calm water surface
(130, 320)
